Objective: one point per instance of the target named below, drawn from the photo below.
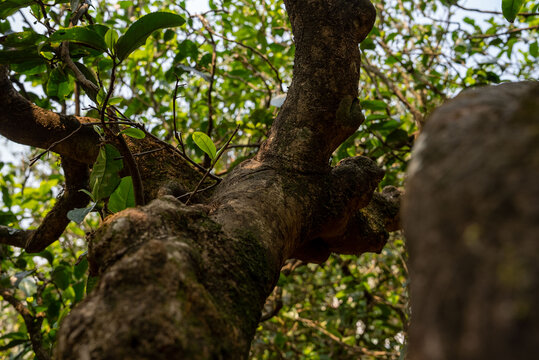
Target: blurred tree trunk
(471, 217)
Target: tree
(473, 261)
(188, 271)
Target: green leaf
(104, 177)
(134, 133)
(397, 138)
(534, 49)
(19, 56)
(21, 39)
(81, 34)
(91, 283)
(8, 7)
(7, 218)
(137, 33)
(80, 268)
(77, 215)
(510, 8)
(373, 105)
(111, 38)
(186, 48)
(78, 289)
(56, 86)
(123, 197)
(61, 276)
(32, 67)
(205, 144)
(46, 254)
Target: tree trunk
(471, 217)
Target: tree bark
(471, 219)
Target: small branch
(33, 324)
(198, 191)
(509, 32)
(133, 170)
(143, 153)
(277, 306)
(27, 124)
(255, 51)
(55, 222)
(176, 135)
(525, 14)
(244, 146)
(77, 99)
(64, 53)
(66, 58)
(108, 95)
(148, 152)
(37, 157)
(338, 339)
(418, 116)
(22, 89)
(211, 81)
(119, 140)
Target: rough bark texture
(471, 217)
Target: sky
(10, 151)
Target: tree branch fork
(222, 258)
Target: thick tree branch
(325, 82)
(366, 230)
(28, 124)
(55, 222)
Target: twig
(124, 150)
(258, 53)
(33, 324)
(209, 130)
(178, 137)
(22, 89)
(418, 116)
(525, 14)
(142, 153)
(212, 164)
(484, 36)
(77, 99)
(198, 191)
(165, 144)
(362, 350)
(64, 52)
(37, 157)
(244, 146)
